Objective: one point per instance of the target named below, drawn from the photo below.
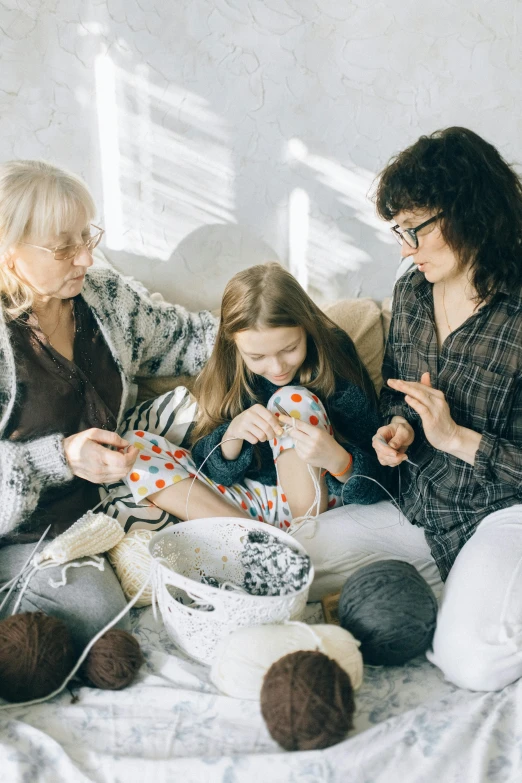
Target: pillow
(386, 316)
(361, 319)
(100, 259)
(155, 387)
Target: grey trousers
(90, 599)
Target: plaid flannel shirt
(479, 369)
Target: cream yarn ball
(244, 657)
(132, 561)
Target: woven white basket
(211, 547)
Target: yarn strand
(97, 562)
(226, 440)
(286, 428)
(317, 639)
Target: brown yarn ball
(36, 655)
(113, 661)
(307, 701)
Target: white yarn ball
(244, 657)
(132, 561)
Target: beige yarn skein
(132, 561)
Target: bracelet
(347, 468)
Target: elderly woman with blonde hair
(72, 338)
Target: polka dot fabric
(301, 404)
(161, 464)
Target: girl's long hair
(264, 297)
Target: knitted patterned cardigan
(146, 338)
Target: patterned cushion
(361, 319)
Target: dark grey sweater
(351, 413)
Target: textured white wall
(219, 133)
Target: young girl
(275, 352)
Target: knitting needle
(381, 440)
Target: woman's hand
(440, 429)
(391, 441)
(89, 458)
(255, 425)
(317, 447)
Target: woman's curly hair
(456, 172)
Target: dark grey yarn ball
(391, 610)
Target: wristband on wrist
(347, 468)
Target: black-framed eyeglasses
(409, 235)
(68, 252)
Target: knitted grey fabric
(146, 338)
(271, 567)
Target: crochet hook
(281, 409)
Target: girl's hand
(391, 441)
(440, 429)
(315, 446)
(89, 459)
(255, 425)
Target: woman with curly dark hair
(453, 400)
(451, 408)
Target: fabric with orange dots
(170, 417)
(161, 464)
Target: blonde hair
(37, 200)
(261, 297)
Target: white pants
(478, 639)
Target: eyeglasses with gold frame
(68, 252)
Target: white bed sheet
(172, 725)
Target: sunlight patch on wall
(321, 251)
(298, 234)
(109, 150)
(353, 186)
(166, 164)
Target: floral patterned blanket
(172, 725)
